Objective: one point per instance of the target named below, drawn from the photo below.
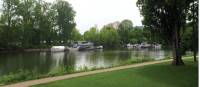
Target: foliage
(65, 19)
(109, 37)
(137, 35)
(92, 35)
(20, 75)
(75, 35)
(187, 40)
(167, 17)
(124, 31)
(34, 23)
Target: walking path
(52, 79)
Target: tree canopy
(34, 23)
(168, 18)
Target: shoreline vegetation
(25, 75)
(26, 50)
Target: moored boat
(58, 49)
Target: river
(45, 62)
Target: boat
(129, 45)
(99, 47)
(145, 45)
(58, 49)
(84, 46)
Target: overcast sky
(101, 12)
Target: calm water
(45, 62)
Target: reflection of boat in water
(58, 48)
(158, 46)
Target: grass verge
(157, 75)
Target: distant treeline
(118, 34)
(111, 36)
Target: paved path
(52, 79)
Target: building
(114, 24)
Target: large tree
(9, 26)
(65, 19)
(92, 35)
(35, 23)
(124, 31)
(193, 18)
(109, 37)
(167, 17)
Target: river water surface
(45, 62)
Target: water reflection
(57, 58)
(45, 62)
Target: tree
(8, 23)
(137, 35)
(187, 39)
(167, 17)
(193, 18)
(65, 19)
(109, 37)
(35, 23)
(124, 31)
(92, 35)
(75, 35)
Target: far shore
(26, 50)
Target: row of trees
(110, 36)
(36, 23)
(168, 18)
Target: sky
(98, 13)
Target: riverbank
(25, 50)
(25, 75)
(50, 79)
(162, 74)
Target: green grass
(157, 75)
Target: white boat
(129, 45)
(99, 47)
(58, 48)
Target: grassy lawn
(157, 75)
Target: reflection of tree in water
(148, 54)
(63, 61)
(44, 62)
(31, 61)
(83, 59)
(69, 61)
(57, 58)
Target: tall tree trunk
(194, 35)
(194, 44)
(177, 58)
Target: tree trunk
(177, 58)
(194, 44)
(194, 36)
(194, 54)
